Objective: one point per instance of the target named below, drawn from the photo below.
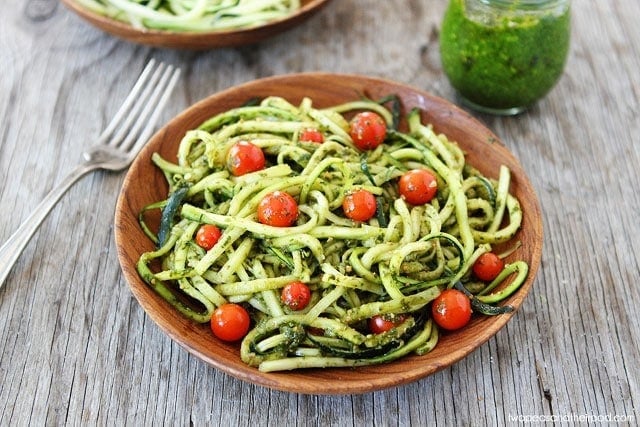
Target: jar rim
(524, 4)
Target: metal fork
(116, 148)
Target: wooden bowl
(144, 184)
(197, 40)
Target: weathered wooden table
(76, 348)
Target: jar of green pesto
(503, 55)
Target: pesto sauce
(507, 63)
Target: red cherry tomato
(207, 236)
(488, 266)
(230, 322)
(244, 157)
(311, 135)
(383, 322)
(367, 130)
(278, 209)
(418, 186)
(359, 205)
(451, 310)
(296, 295)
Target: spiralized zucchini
(193, 15)
(394, 264)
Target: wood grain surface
(77, 349)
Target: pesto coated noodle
(395, 264)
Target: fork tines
(134, 122)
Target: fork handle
(11, 250)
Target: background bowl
(197, 40)
(144, 184)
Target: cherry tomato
(315, 331)
(278, 209)
(311, 135)
(359, 205)
(367, 130)
(230, 322)
(244, 157)
(207, 236)
(488, 266)
(451, 310)
(384, 322)
(418, 186)
(296, 295)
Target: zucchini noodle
(193, 15)
(392, 265)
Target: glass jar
(503, 55)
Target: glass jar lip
(524, 4)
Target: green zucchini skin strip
(519, 267)
(169, 212)
(392, 265)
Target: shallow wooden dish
(200, 40)
(144, 184)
